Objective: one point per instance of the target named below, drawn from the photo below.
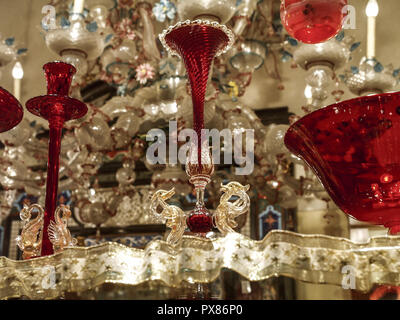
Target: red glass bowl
(11, 111)
(354, 148)
(312, 21)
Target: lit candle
(18, 74)
(371, 11)
(78, 6)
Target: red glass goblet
(11, 111)
(354, 148)
(312, 21)
(56, 107)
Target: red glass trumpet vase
(56, 107)
(11, 111)
(312, 21)
(198, 43)
(354, 148)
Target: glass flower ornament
(165, 9)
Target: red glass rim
(59, 66)
(351, 102)
(59, 77)
(11, 111)
(208, 28)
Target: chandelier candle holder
(321, 61)
(220, 11)
(371, 76)
(353, 147)
(56, 107)
(249, 56)
(76, 41)
(198, 43)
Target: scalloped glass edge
(315, 259)
(213, 24)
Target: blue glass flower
(164, 9)
(293, 42)
(65, 23)
(9, 41)
(92, 27)
(286, 55)
(378, 67)
(340, 36)
(354, 46)
(21, 51)
(108, 38)
(354, 70)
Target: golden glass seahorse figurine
(176, 217)
(58, 232)
(30, 240)
(227, 211)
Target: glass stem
(200, 291)
(55, 126)
(200, 197)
